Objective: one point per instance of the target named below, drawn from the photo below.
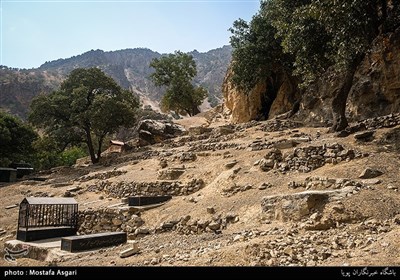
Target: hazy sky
(33, 32)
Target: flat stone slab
(45, 243)
(37, 250)
(92, 241)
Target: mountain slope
(129, 67)
(270, 193)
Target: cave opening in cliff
(269, 96)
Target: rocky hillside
(375, 91)
(18, 87)
(270, 193)
(130, 68)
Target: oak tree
(88, 106)
(176, 72)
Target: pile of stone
(309, 248)
(222, 131)
(170, 173)
(270, 160)
(308, 158)
(234, 188)
(115, 158)
(109, 219)
(258, 144)
(243, 126)
(214, 140)
(320, 183)
(381, 122)
(312, 157)
(181, 141)
(102, 175)
(41, 194)
(279, 125)
(125, 189)
(296, 206)
(187, 225)
(223, 138)
(199, 130)
(98, 187)
(187, 156)
(199, 147)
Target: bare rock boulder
(152, 131)
(369, 173)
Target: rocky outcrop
(242, 107)
(375, 91)
(152, 131)
(286, 99)
(262, 102)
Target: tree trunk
(195, 111)
(384, 6)
(100, 142)
(340, 99)
(89, 143)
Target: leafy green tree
(16, 140)
(88, 106)
(49, 153)
(257, 53)
(176, 72)
(326, 34)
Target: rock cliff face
(243, 107)
(266, 100)
(286, 98)
(375, 90)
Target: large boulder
(152, 131)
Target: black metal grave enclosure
(47, 217)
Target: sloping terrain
(259, 193)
